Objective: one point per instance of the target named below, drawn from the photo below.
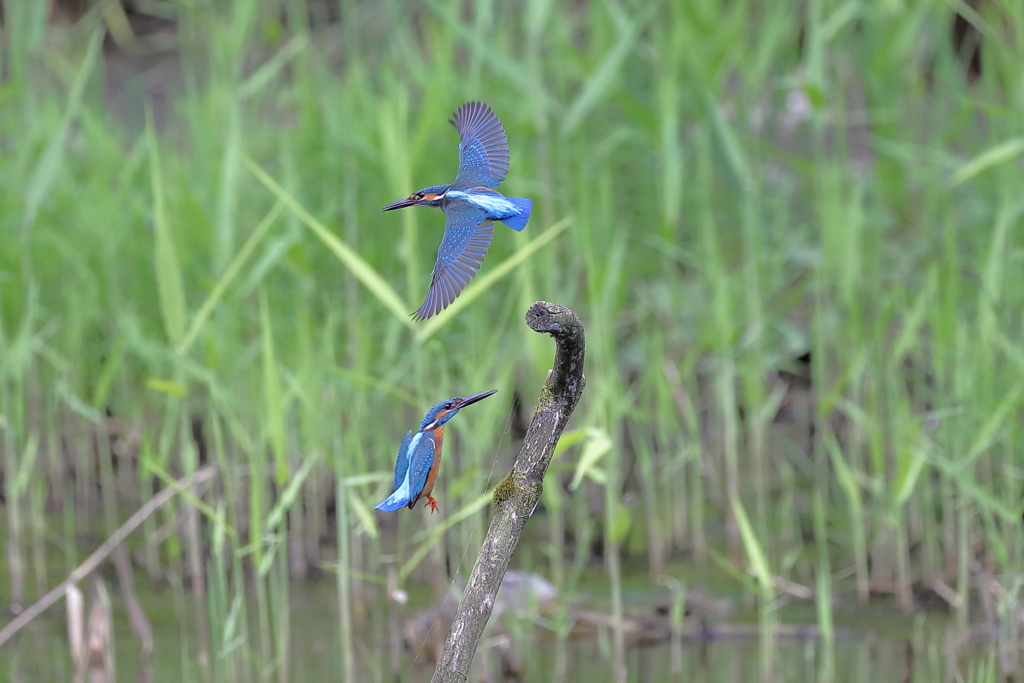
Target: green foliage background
(718, 188)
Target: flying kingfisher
(471, 205)
(419, 456)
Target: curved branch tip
(553, 319)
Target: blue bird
(471, 205)
(419, 456)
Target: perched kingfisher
(419, 456)
(471, 205)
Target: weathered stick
(141, 628)
(117, 538)
(516, 497)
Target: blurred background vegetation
(792, 230)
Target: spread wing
(402, 464)
(462, 250)
(483, 147)
(420, 462)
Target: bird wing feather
(420, 462)
(462, 250)
(402, 464)
(483, 147)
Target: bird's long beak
(469, 400)
(400, 204)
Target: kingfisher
(471, 205)
(419, 456)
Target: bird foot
(431, 503)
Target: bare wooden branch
(517, 496)
(141, 628)
(83, 570)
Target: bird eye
(415, 197)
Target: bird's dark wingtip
(474, 109)
(429, 309)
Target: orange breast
(432, 476)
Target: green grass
(224, 262)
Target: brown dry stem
(83, 570)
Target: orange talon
(432, 503)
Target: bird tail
(399, 499)
(517, 223)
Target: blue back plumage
(512, 211)
(411, 470)
(421, 452)
(420, 461)
(483, 147)
(397, 500)
(402, 464)
(402, 493)
(517, 223)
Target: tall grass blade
(272, 394)
(435, 535)
(169, 282)
(235, 267)
(262, 77)
(225, 225)
(358, 266)
(755, 553)
(509, 69)
(994, 156)
(45, 173)
(602, 78)
(598, 444)
(730, 145)
(289, 495)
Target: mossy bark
(516, 497)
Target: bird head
(428, 196)
(446, 410)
